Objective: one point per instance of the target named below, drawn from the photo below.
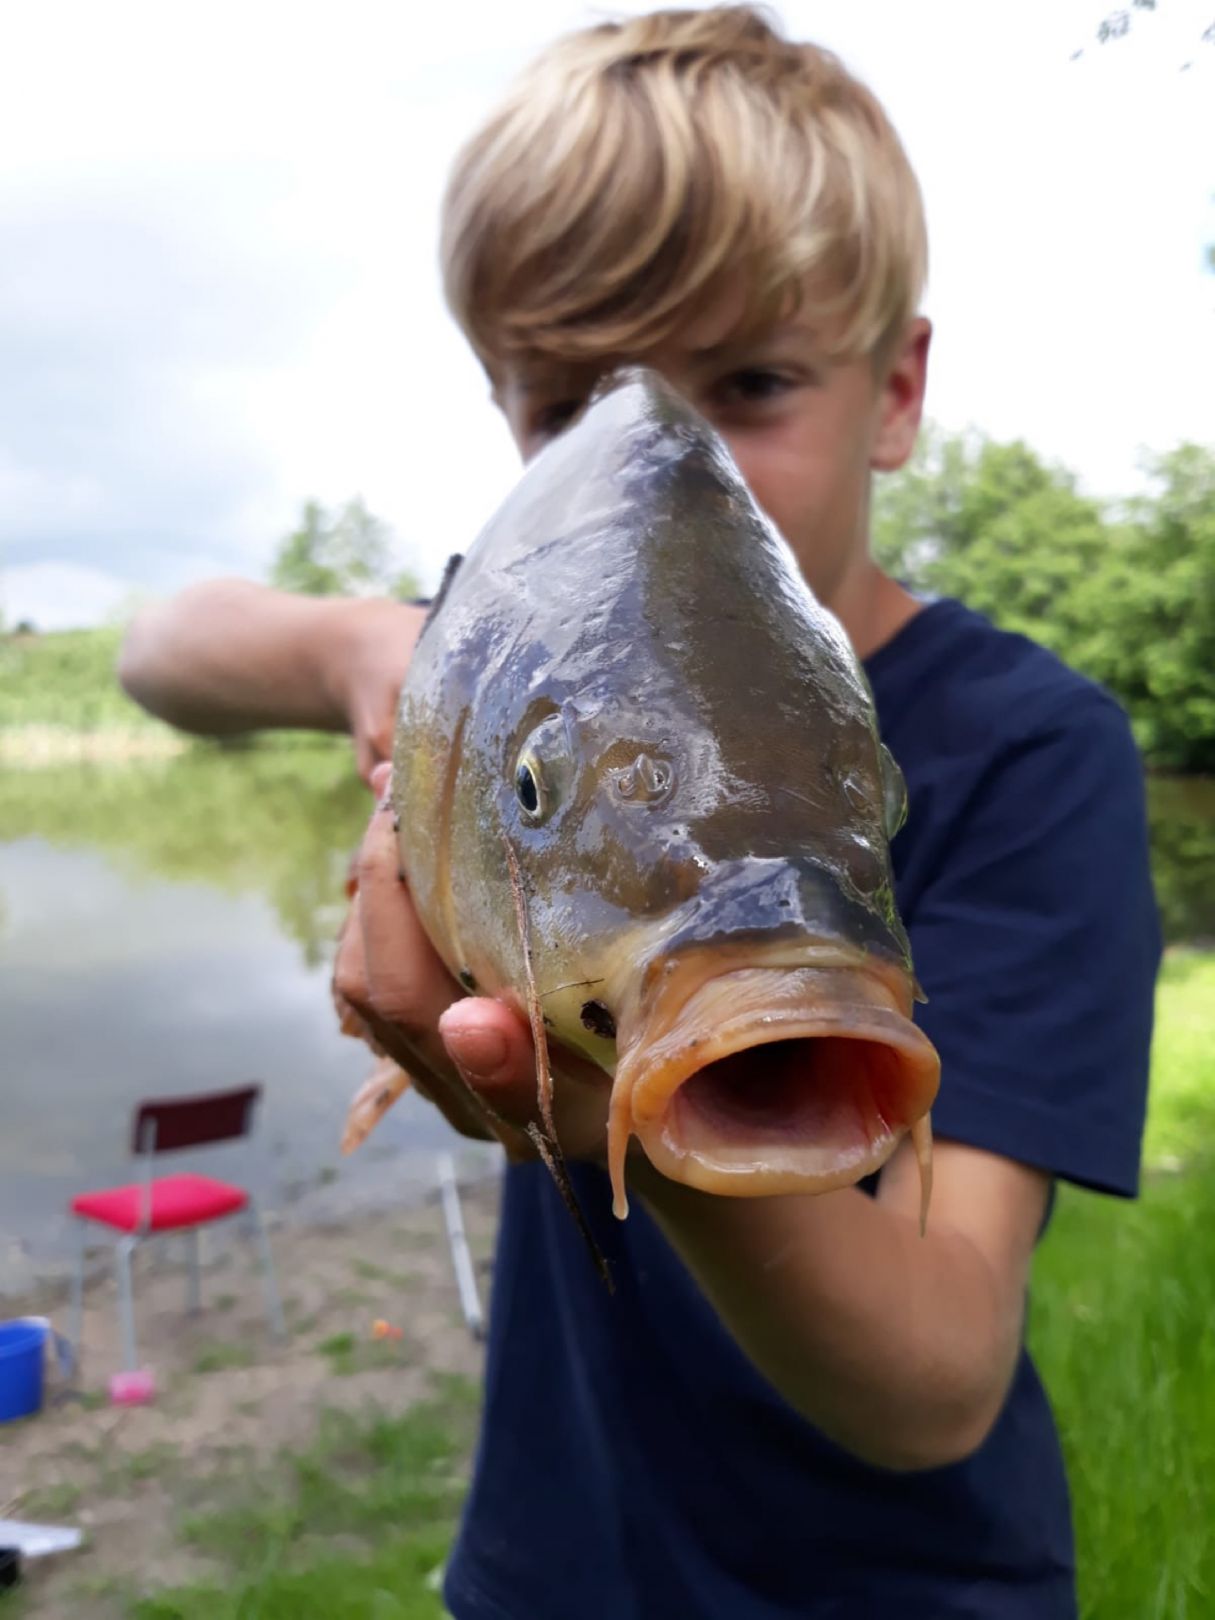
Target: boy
(793, 1406)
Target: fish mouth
(769, 1080)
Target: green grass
(219, 1357)
(1181, 1115)
(348, 1354)
(50, 1502)
(66, 681)
(397, 1583)
(356, 1526)
(1122, 1329)
(66, 678)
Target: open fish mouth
(769, 1080)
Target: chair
(176, 1203)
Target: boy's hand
(471, 1056)
(365, 658)
(230, 656)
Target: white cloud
(60, 596)
(219, 293)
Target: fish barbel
(628, 707)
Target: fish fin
(385, 1084)
(545, 1142)
(921, 1140)
(451, 569)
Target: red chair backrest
(164, 1124)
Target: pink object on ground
(133, 1388)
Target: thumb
(492, 1049)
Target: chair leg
(77, 1317)
(126, 1301)
(274, 1309)
(194, 1297)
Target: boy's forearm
(231, 656)
(899, 1348)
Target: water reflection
(166, 929)
(279, 823)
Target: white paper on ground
(38, 1540)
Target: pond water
(168, 927)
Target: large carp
(627, 704)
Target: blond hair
(637, 168)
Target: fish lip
(860, 1127)
(804, 1169)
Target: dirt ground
(227, 1396)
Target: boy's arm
(231, 656)
(899, 1348)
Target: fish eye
(542, 771)
(527, 788)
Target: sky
(219, 293)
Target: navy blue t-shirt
(633, 1464)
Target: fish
(640, 791)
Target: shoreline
(29, 747)
(38, 744)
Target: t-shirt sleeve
(1037, 944)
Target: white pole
(461, 1260)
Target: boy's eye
(754, 386)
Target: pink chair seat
(176, 1201)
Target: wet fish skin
(628, 681)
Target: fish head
(679, 746)
(713, 921)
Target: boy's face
(805, 432)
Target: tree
(995, 526)
(1161, 661)
(347, 553)
(1126, 596)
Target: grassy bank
(64, 681)
(60, 703)
(383, 1488)
(1123, 1301)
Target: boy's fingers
(349, 972)
(464, 1052)
(404, 984)
(492, 1048)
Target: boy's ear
(902, 399)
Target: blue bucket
(22, 1353)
